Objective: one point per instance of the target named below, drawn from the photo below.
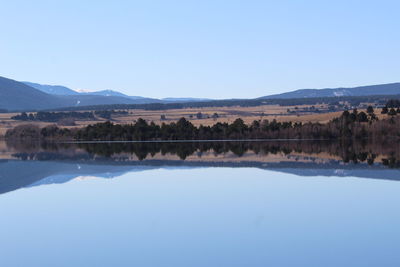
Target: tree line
(355, 124)
(53, 116)
(58, 116)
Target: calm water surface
(75, 207)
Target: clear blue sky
(218, 49)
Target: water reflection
(261, 204)
(350, 152)
(32, 164)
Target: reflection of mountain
(15, 174)
(34, 164)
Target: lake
(200, 204)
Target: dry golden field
(225, 114)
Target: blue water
(203, 217)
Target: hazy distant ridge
(52, 89)
(65, 91)
(380, 89)
(16, 95)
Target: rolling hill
(52, 89)
(65, 91)
(17, 96)
(380, 89)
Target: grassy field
(224, 114)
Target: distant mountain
(16, 95)
(139, 99)
(93, 100)
(380, 89)
(65, 91)
(52, 89)
(105, 93)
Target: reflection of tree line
(348, 152)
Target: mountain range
(62, 90)
(380, 89)
(18, 96)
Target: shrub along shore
(350, 125)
